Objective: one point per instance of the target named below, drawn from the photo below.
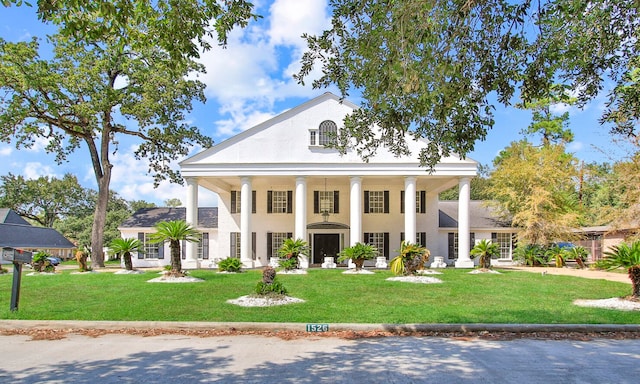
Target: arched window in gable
(328, 132)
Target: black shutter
(316, 202)
(234, 208)
(423, 201)
(161, 250)
(472, 240)
(494, 237)
(336, 201)
(269, 202)
(452, 250)
(366, 201)
(386, 201)
(289, 201)
(401, 201)
(205, 245)
(423, 238)
(386, 245)
(401, 237)
(290, 235)
(232, 244)
(253, 201)
(269, 245)
(141, 240)
(366, 238)
(253, 245)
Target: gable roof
(148, 217)
(281, 146)
(28, 236)
(9, 216)
(481, 216)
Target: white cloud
(34, 170)
(289, 19)
(6, 151)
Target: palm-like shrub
(625, 256)
(558, 254)
(174, 232)
(124, 248)
(530, 254)
(40, 262)
(411, 258)
(579, 254)
(485, 250)
(230, 264)
(290, 253)
(358, 253)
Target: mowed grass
(330, 297)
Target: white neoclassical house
(278, 180)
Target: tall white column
(464, 261)
(300, 229)
(355, 205)
(245, 222)
(191, 217)
(410, 209)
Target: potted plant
(411, 258)
(358, 253)
(290, 251)
(485, 250)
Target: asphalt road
(122, 358)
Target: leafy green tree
(138, 204)
(124, 248)
(485, 250)
(535, 187)
(625, 256)
(172, 202)
(479, 186)
(174, 232)
(600, 192)
(132, 59)
(554, 128)
(43, 200)
(427, 67)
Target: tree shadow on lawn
(315, 360)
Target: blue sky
(250, 82)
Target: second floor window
(376, 201)
(326, 201)
(279, 201)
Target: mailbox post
(18, 257)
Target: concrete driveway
(121, 358)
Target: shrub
(269, 284)
(41, 263)
(230, 264)
(290, 251)
(358, 253)
(411, 258)
(288, 264)
(531, 255)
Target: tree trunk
(128, 265)
(634, 275)
(176, 263)
(99, 220)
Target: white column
(410, 209)
(191, 217)
(245, 222)
(355, 205)
(300, 229)
(464, 261)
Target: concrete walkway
(585, 273)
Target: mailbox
(16, 255)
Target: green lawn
(331, 297)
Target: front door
(325, 245)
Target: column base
(190, 264)
(464, 264)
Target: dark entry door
(325, 245)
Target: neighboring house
(16, 232)
(141, 224)
(280, 179)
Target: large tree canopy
(430, 67)
(123, 68)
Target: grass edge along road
(330, 297)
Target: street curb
(303, 327)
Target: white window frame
(151, 250)
(376, 201)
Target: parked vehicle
(55, 261)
